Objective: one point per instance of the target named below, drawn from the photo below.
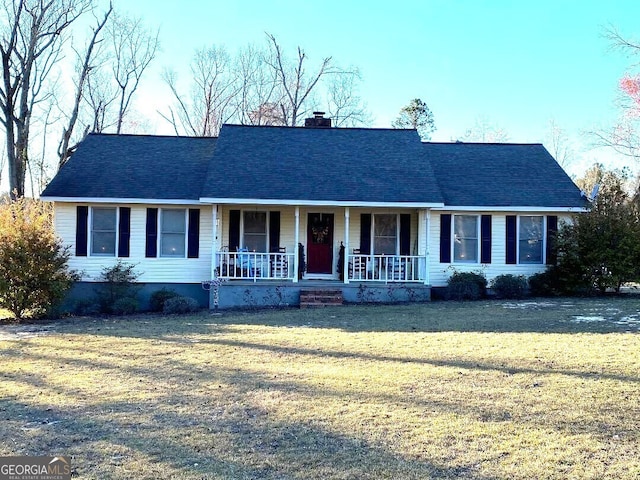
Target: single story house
(260, 213)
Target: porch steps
(314, 297)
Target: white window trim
(186, 234)
(268, 226)
(544, 240)
(90, 233)
(453, 238)
(373, 229)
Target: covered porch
(290, 244)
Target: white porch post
(345, 267)
(214, 241)
(427, 260)
(296, 250)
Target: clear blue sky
(516, 63)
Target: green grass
(486, 390)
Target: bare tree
(295, 82)
(258, 97)
(99, 97)
(259, 87)
(64, 151)
(623, 136)
(558, 144)
(134, 47)
(485, 131)
(3, 161)
(29, 47)
(38, 166)
(344, 105)
(212, 93)
(266, 114)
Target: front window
(385, 234)
(530, 239)
(255, 231)
(173, 227)
(465, 239)
(103, 231)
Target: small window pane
(173, 221)
(172, 245)
(385, 225)
(103, 231)
(530, 239)
(104, 219)
(255, 231)
(255, 222)
(465, 239)
(385, 234)
(103, 243)
(172, 233)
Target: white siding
(183, 270)
(440, 272)
(170, 270)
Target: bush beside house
(34, 276)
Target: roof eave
(136, 201)
(311, 203)
(507, 208)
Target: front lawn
(487, 390)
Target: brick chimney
(317, 121)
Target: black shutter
(82, 217)
(485, 239)
(151, 247)
(511, 240)
(552, 230)
(124, 231)
(445, 238)
(365, 233)
(274, 231)
(405, 234)
(234, 230)
(193, 234)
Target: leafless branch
(134, 49)
(64, 151)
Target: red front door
(320, 243)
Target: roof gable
(501, 175)
(134, 166)
(320, 165)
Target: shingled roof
(501, 175)
(333, 165)
(313, 166)
(109, 166)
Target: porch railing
(386, 268)
(280, 266)
(255, 266)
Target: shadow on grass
(471, 365)
(574, 315)
(246, 383)
(238, 441)
(556, 315)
